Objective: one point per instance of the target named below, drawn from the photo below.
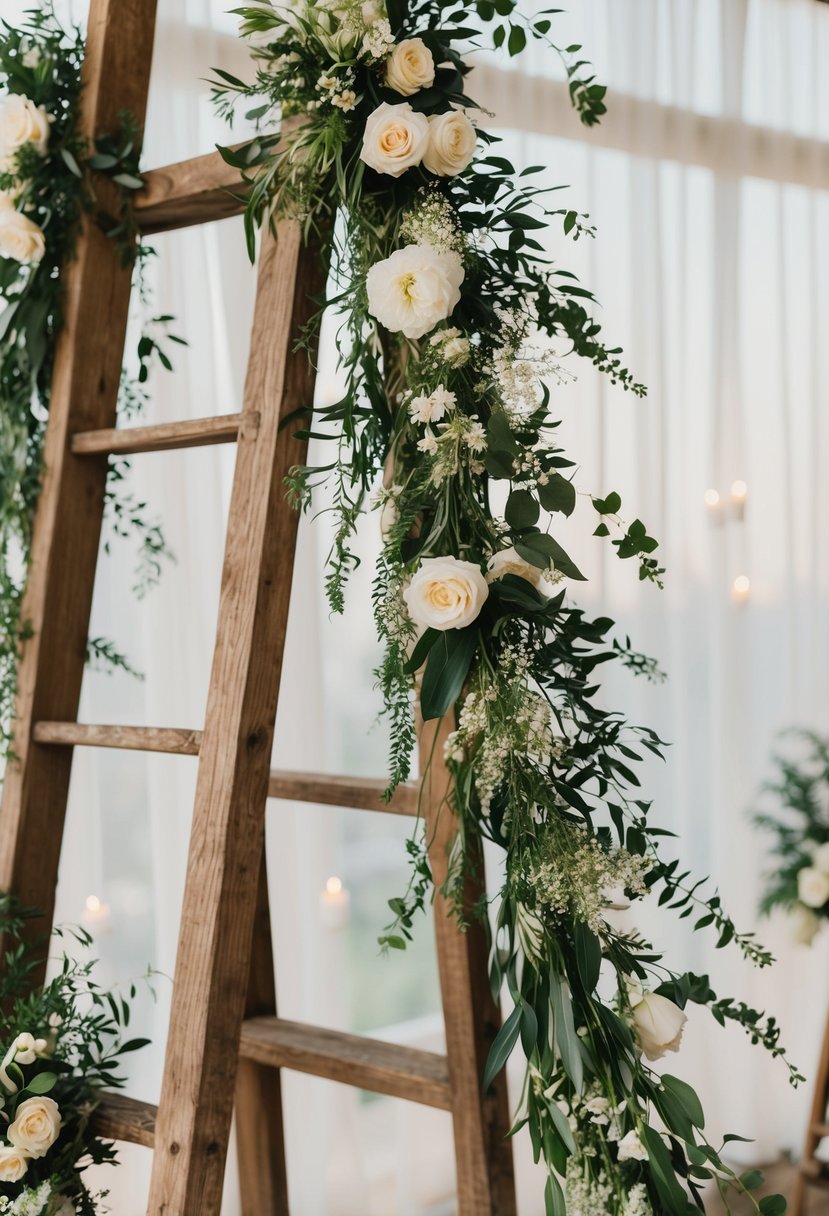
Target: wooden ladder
(224, 1033)
(813, 1174)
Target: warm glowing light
(712, 498)
(741, 587)
(739, 491)
(334, 886)
(93, 904)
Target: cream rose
(410, 67)
(658, 1025)
(445, 593)
(414, 289)
(13, 1164)
(813, 887)
(803, 924)
(508, 561)
(395, 139)
(822, 858)
(36, 1126)
(452, 141)
(21, 123)
(21, 239)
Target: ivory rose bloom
(410, 67)
(508, 561)
(21, 123)
(804, 924)
(36, 1126)
(445, 593)
(414, 289)
(813, 887)
(395, 139)
(13, 1163)
(21, 239)
(658, 1025)
(452, 141)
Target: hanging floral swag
(448, 303)
(799, 826)
(61, 1046)
(46, 187)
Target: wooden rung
(164, 437)
(358, 793)
(190, 192)
(821, 1130)
(371, 1064)
(129, 738)
(121, 1118)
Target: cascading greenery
(450, 306)
(46, 188)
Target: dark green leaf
(446, 669)
(502, 1046)
(588, 955)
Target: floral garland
(60, 1047)
(45, 190)
(448, 303)
(799, 882)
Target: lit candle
(741, 588)
(712, 499)
(334, 904)
(739, 492)
(96, 918)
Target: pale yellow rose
(452, 142)
(36, 1126)
(410, 67)
(13, 1163)
(21, 123)
(813, 887)
(445, 593)
(395, 139)
(21, 239)
(658, 1025)
(508, 561)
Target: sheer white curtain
(708, 183)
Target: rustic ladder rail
(224, 1033)
(812, 1172)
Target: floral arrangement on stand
(61, 1046)
(799, 825)
(46, 188)
(450, 308)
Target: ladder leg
(263, 1180)
(68, 524)
(483, 1154)
(227, 838)
(816, 1132)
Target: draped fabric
(708, 185)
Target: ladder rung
(371, 1064)
(121, 1118)
(130, 738)
(190, 192)
(358, 793)
(821, 1130)
(193, 433)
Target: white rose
(803, 924)
(508, 561)
(414, 289)
(452, 141)
(631, 1148)
(445, 593)
(822, 858)
(36, 1126)
(813, 887)
(21, 239)
(13, 1164)
(657, 1024)
(410, 67)
(21, 123)
(395, 139)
